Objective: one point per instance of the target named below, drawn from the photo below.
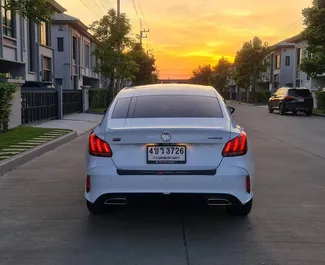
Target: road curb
(20, 159)
(319, 115)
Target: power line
(92, 8)
(291, 27)
(136, 11)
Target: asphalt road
(43, 219)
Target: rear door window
(177, 106)
(121, 108)
(299, 92)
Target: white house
(281, 65)
(73, 46)
(25, 47)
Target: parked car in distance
(287, 99)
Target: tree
(114, 61)
(202, 75)
(314, 34)
(146, 73)
(250, 66)
(222, 74)
(35, 10)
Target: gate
(38, 105)
(72, 101)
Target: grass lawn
(318, 111)
(98, 110)
(23, 133)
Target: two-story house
(25, 47)
(73, 46)
(281, 65)
(302, 78)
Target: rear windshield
(299, 92)
(174, 106)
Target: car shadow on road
(206, 234)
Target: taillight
(289, 97)
(236, 146)
(98, 147)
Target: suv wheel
(309, 112)
(240, 210)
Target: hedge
(260, 97)
(320, 95)
(99, 98)
(7, 94)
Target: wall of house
(12, 49)
(63, 59)
(286, 72)
(304, 80)
(37, 52)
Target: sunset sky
(186, 33)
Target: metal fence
(38, 105)
(72, 101)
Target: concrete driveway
(43, 219)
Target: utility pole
(141, 34)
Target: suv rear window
(299, 92)
(174, 106)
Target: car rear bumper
(298, 106)
(227, 181)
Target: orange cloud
(191, 32)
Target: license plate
(171, 154)
(301, 100)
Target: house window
(299, 56)
(60, 44)
(31, 46)
(276, 81)
(44, 34)
(277, 61)
(86, 55)
(47, 63)
(8, 20)
(74, 48)
(287, 62)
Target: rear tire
(95, 208)
(281, 109)
(270, 109)
(309, 112)
(240, 210)
(294, 112)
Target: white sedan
(169, 139)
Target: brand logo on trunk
(166, 136)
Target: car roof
(168, 89)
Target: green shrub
(7, 94)
(262, 97)
(320, 95)
(99, 98)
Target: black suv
(287, 99)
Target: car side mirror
(231, 109)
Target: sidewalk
(80, 122)
(77, 124)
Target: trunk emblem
(166, 136)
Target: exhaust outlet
(116, 201)
(218, 202)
